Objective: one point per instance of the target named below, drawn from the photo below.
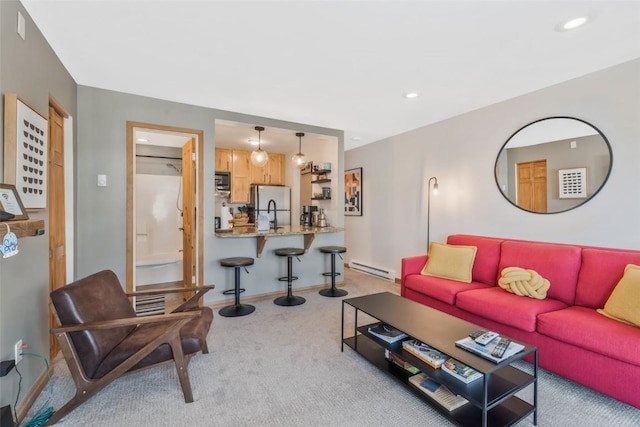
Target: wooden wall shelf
(23, 228)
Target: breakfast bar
(309, 234)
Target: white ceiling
(336, 64)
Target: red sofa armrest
(412, 265)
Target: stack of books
(485, 350)
(387, 333)
(437, 392)
(459, 370)
(430, 356)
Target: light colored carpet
(282, 366)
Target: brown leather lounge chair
(101, 338)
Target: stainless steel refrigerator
(262, 194)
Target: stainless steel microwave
(223, 181)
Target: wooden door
(532, 185)
(223, 159)
(55, 196)
(240, 176)
(188, 212)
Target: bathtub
(158, 268)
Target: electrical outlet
(17, 350)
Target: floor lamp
(435, 191)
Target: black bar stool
(237, 309)
(332, 291)
(289, 299)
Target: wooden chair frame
(87, 387)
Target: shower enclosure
(158, 224)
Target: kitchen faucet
(275, 213)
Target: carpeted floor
(282, 366)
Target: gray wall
(461, 152)
(102, 120)
(30, 69)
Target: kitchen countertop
(309, 234)
(285, 230)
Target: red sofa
(573, 340)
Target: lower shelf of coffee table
(509, 411)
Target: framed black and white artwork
(25, 153)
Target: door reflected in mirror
(553, 165)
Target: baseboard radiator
(380, 272)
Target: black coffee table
(492, 400)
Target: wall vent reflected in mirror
(553, 165)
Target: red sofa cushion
(586, 328)
(560, 264)
(506, 308)
(601, 271)
(485, 266)
(444, 290)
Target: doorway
(164, 196)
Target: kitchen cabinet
(224, 159)
(240, 176)
(276, 170)
(270, 174)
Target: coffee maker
(307, 215)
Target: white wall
(461, 152)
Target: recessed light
(142, 140)
(410, 95)
(355, 138)
(253, 142)
(572, 24)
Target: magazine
(387, 333)
(469, 344)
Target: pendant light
(298, 159)
(259, 157)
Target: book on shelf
(395, 359)
(460, 371)
(485, 351)
(430, 356)
(387, 333)
(442, 395)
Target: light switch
(574, 144)
(102, 180)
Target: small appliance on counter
(306, 217)
(319, 218)
(225, 217)
(322, 219)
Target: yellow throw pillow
(624, 302)
(450, 262)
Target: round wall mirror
(553, 165)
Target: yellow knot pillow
(523, 282)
